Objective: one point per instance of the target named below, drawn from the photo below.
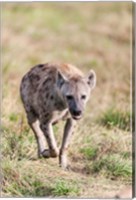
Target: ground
(89, 35)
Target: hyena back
(51, 92)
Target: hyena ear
(91, 79)
(61, 79)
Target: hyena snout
(76, 113)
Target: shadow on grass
(39, 192)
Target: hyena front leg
(35, 126)
(40, 138)
(48, 132)
(68, 131)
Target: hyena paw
(54, 153)
(45, 153)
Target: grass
(116, 118)
(63, 188)
(90, 35)
(20, 182)
(28, 185)
(112, 166)
(13, 117)
(107, 161)
(89, 152)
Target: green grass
(105, 160)
(30, 184)
(13, 117)
(89, 152)
(112, 166)
(17, 147)
(63, 188)
(113, 117)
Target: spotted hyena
(51, 92)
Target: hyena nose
(77, 112)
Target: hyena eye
(69, 97)
(83, 97)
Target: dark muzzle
(76, 114)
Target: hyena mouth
(76, 117)
(76, 114)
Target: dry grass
(89, 35)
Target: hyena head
(76, 92)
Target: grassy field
(88, 35)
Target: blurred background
(90, 35)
